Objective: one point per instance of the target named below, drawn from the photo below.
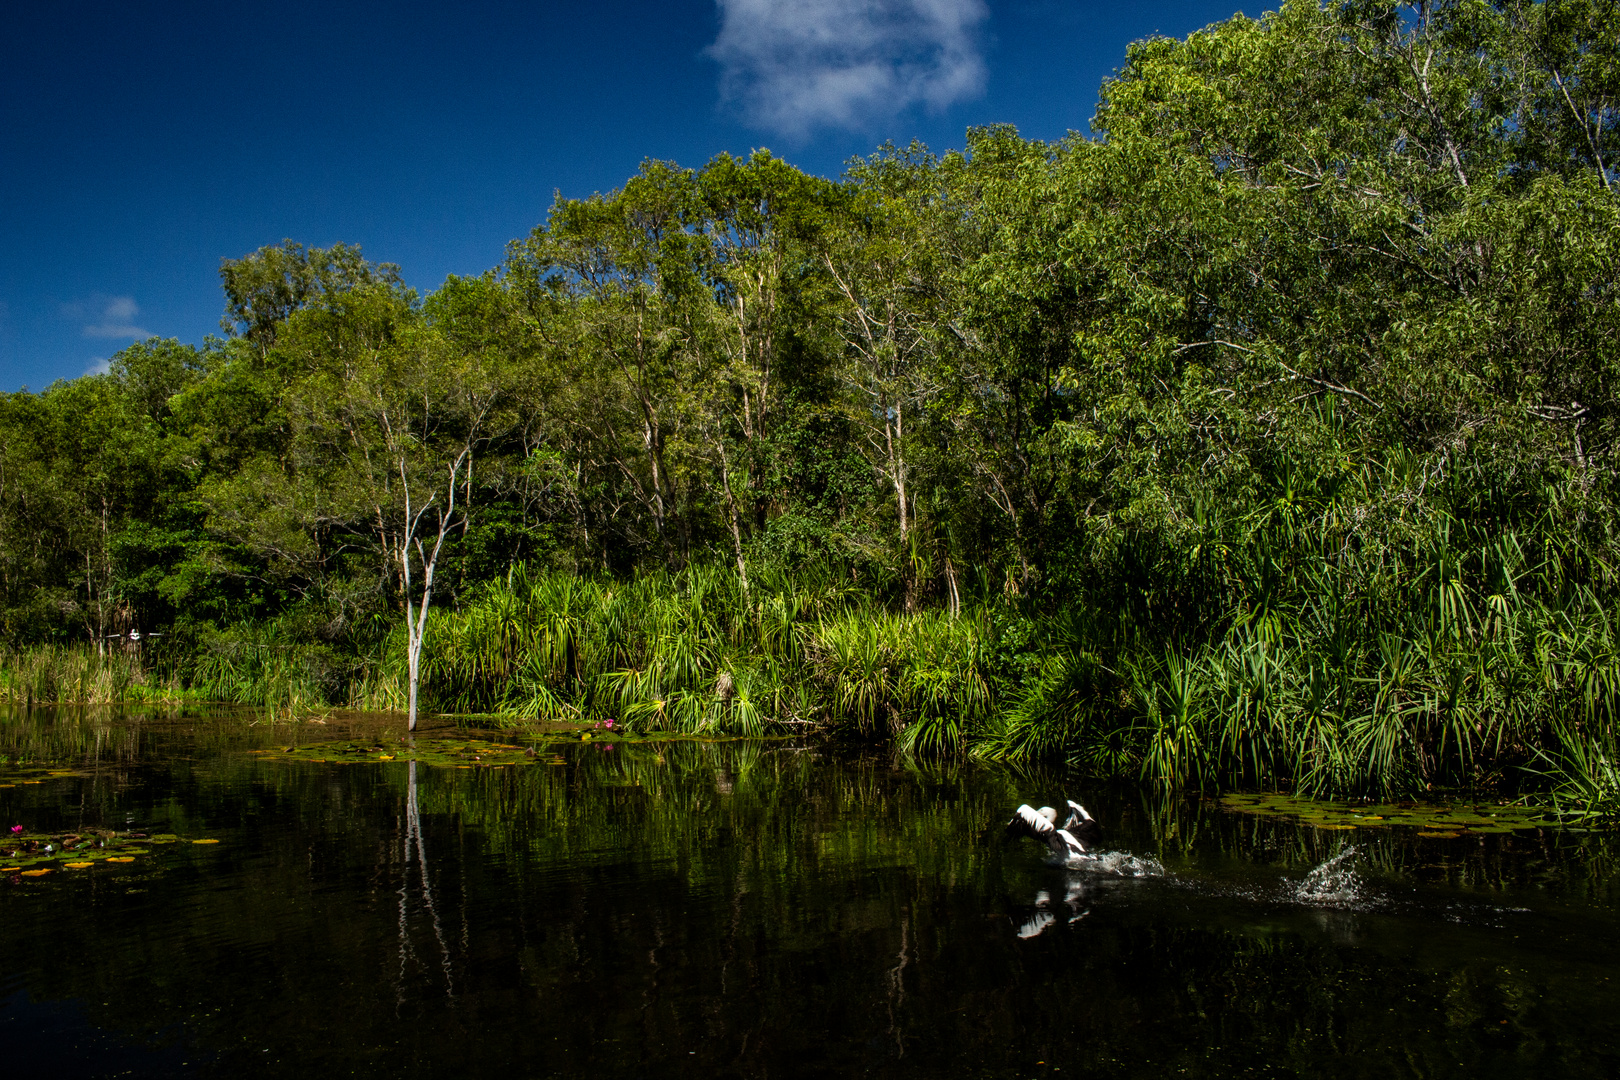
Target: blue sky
(141, 143)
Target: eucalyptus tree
(87, 488)
(620, 271)
(265, 287)
(383, 408)
(760, 220)
(886, 259)
(391, 415)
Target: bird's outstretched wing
(1027, 822)
(1085, 829)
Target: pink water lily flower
(16, 828)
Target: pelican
(1077, 836)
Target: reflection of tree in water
(830, 915)
(416, 852)
(895, 977)
(95, 737)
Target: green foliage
(49, 674)
(1268, 438)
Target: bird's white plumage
(1038, 822)
(1078, 836)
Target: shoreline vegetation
(1266, 439)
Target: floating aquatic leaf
(1428, 835)
(35, 873)
(78, 865)
(121, 858)
(205, 841)
(459, 752)
(1452, 817)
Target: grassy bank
(77, 674)
(1436, 666)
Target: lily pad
(205, 841)
(78, 865)
(1438, 817)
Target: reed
(690, 652)
(270, 665)
(82, 675)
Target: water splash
(1335, 883)
(1118, 864)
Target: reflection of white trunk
(416, 849)
(896, 979)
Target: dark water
(758, 911)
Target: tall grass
(81, 675)
(271, 665)
(691, 652)
(1363, 640)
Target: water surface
(758, 910)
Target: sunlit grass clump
(81, 675)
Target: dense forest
(1267, 436)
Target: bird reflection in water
(1047, 913)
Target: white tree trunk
(416, 616)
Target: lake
(747, 909)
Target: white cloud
(795, 65)
(98, 367)
(117, 319)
